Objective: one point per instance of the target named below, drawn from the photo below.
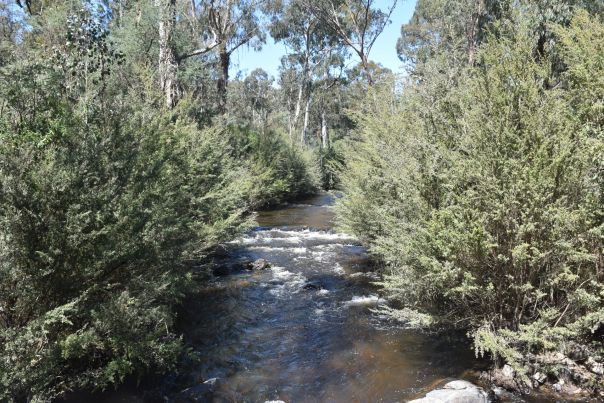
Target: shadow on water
(304, 329)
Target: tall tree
(310, 43)
(358, 23)
(439, 26)
(168, 62)
(226, 25)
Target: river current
(306, 329)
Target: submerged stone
(312, 286)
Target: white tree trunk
(306, 118)
(168, 65)
(303, 84)
(294, 121)
(324, 133)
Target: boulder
(594, 366)
(540, 377)
(260, 264)
(577, 352)
(504, 377)
(227, 269)
(508, 371)
(455, 392)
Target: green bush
(108, 200)
(95, 229)
(485, 198)
(279, 170)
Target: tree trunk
(193, 17)
(290, 120)
(367, 68)
(223, 80)
(168, 65)
(139, 15)
(294, 121)
(306, 118)
(192, 10)
(324, 133)
(303, 86)
(473, 30)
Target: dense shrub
(279, 170)
(96, 227)
(107, 200)
(483, 195)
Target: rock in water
(455, 392)
(260, 264)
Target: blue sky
(384, 50)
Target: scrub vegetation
(478, 179)
(131, 148)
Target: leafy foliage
(107, 201)
(483, 194)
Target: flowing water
(305, 329)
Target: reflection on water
(304, 330)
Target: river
(305, 330)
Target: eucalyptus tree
(310, 44)
(357, 23)
(458, 27)
(452, 27)
(168, 61)
(330, 77)
(226, 25)
(215, 25)
(254, 99)
(258, 91)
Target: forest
(131, 152)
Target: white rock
(455, 392)
(539, 377)
(459, 384)
(594, 366)
(498, 391)
(507, 371)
